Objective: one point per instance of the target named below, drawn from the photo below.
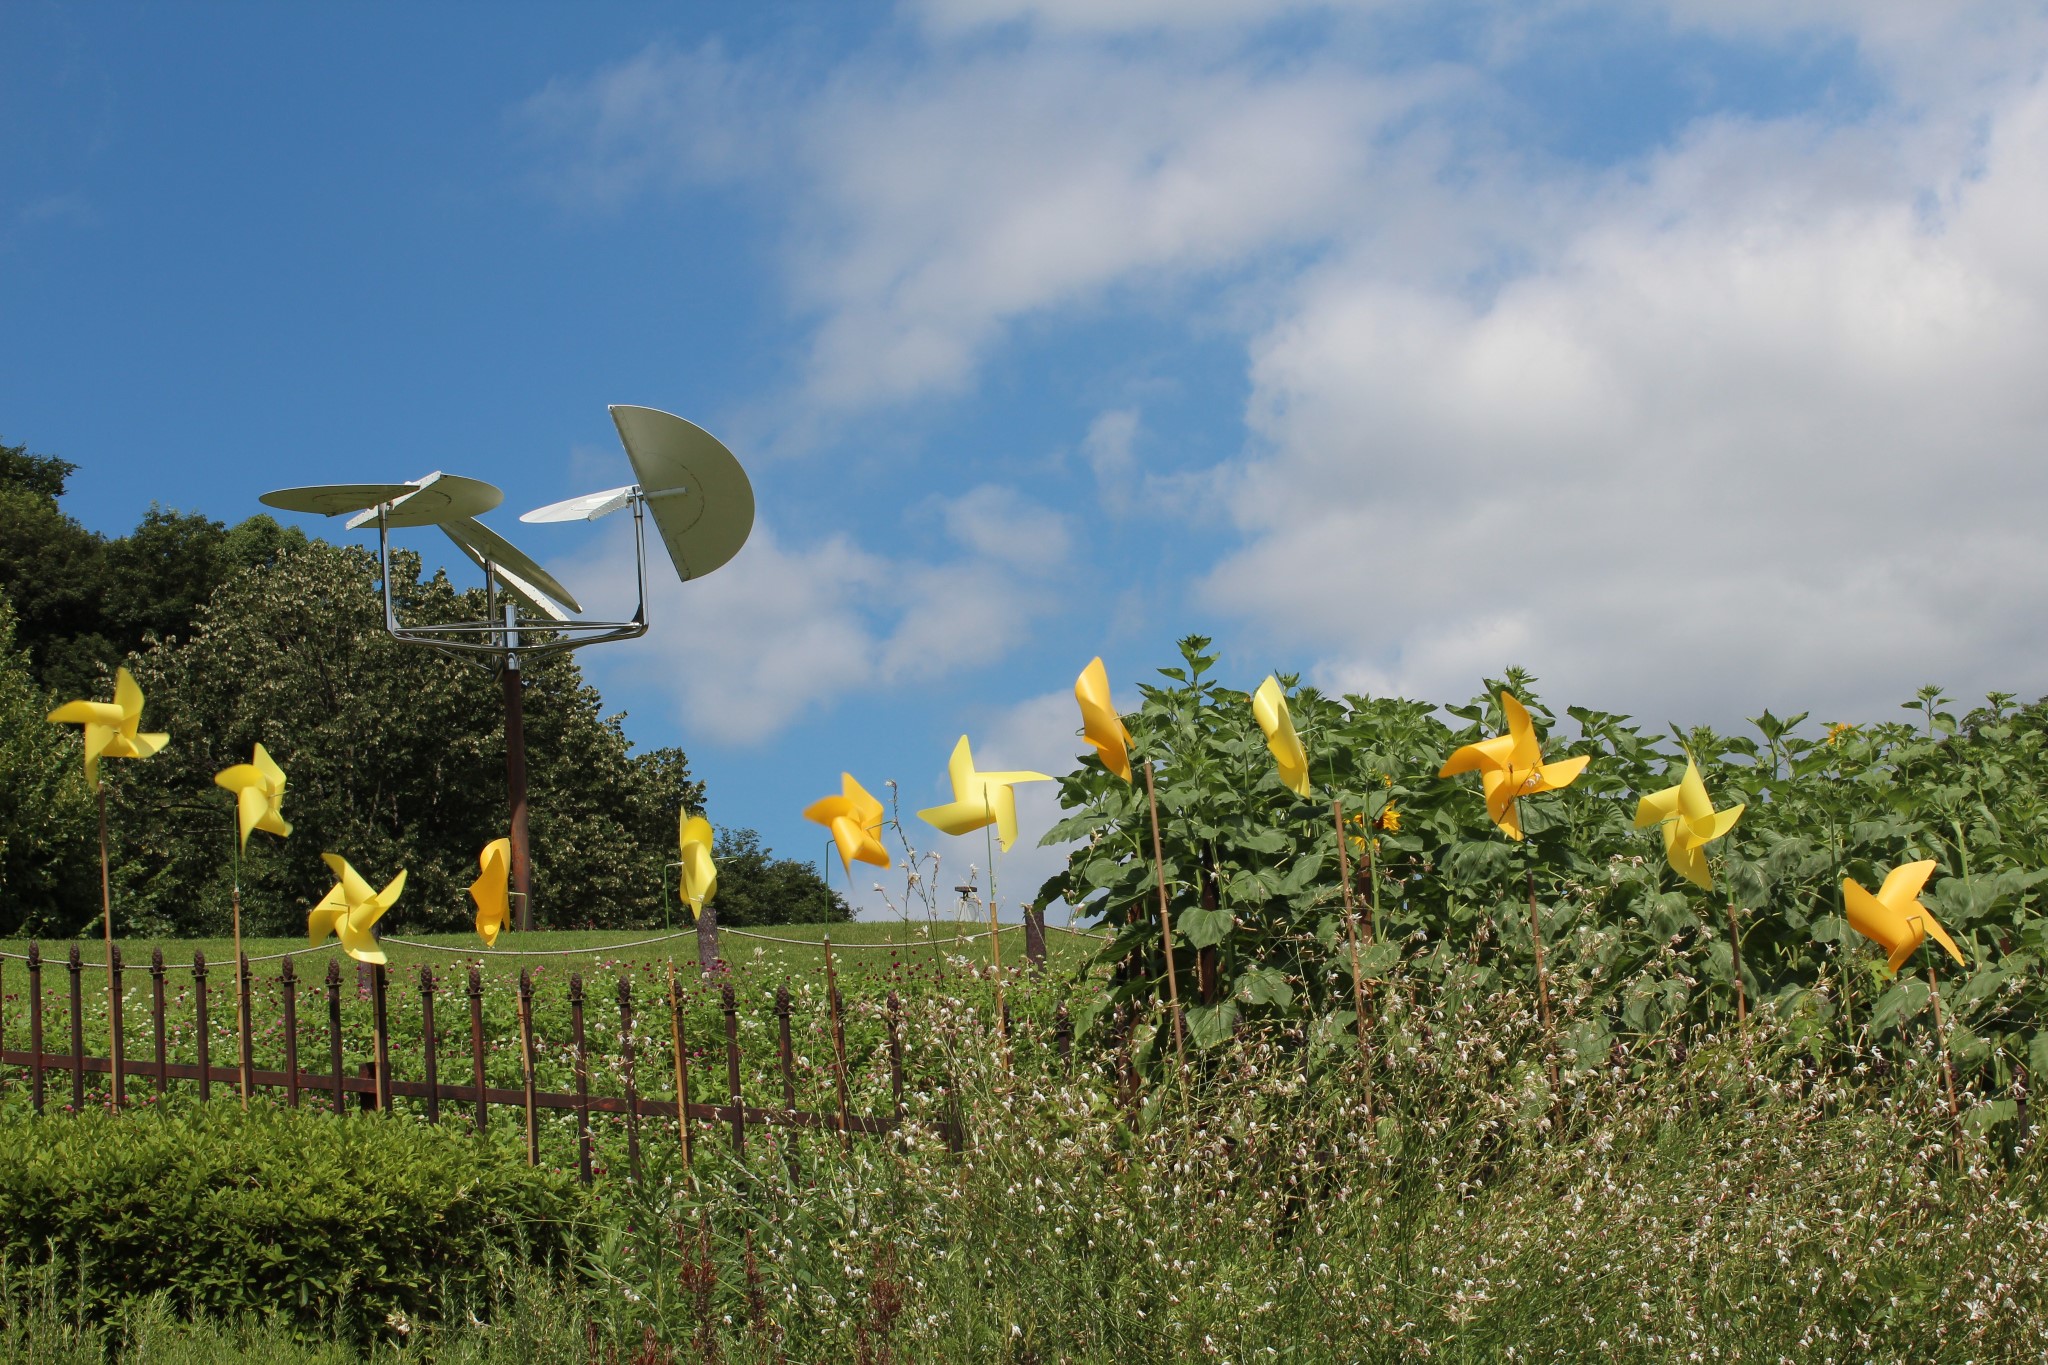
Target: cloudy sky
(1688, 354)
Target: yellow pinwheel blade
(87, 713)
(238, 777)
(251, 809)
(1101, 726)
(1269, 708)
(1479, 756)
(127, 696)
(325, 915)
(272, 774)
(1657, 807)
(699, 881)
(1878, 922)
(492, 890)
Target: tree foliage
(395, 753)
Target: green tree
(756, 887)
(48, 869)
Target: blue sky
(1686, 353)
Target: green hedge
(354, 1226)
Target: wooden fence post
(201, 1029)
(381, 1039)
(288, 988)
(476, 1046)
(77, 1034)
(682, 1064)
(334, 1028)
(156, 1017)
(732, 1070)
(116, 1035)
(247, 1023)
(432, 1043)
(1034, 934)
(526, 1061)
(35, 1026)
(786, 1052)
(582, 1076)
(632, 1090)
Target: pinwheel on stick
(1510, 767)
(1290, 757)
(981, 799)
(1898, 921)
(350, 911)
(258, 786)
(492, 890)
(112, 730)
(1104, 729)
(1689, 822)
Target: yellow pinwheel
(1101, 726)
(351, 910)
(1269, 708)
(979, 799)
(492, 891)
(112, 729)
(855, 819)
(1511, 766)
(1896, 919)
(258, 786)
(700, 874)
(1689, 822)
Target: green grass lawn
(863, 950)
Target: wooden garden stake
(244, 1024)
(1166, 923)
(1735, 947)
(1948, 1073)
(107, 921)
(1351, 926)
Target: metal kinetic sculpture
(703, 508)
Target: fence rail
(374, 1085)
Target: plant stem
(241, 1024)
(1166, 924)
(1735, 947)
(1351, 926)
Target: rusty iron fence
(373, 1086)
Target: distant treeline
(395, 754)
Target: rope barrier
(601, 948)
(168, 966)
(538, 952)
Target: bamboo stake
(241, 1022)
(107, 916)
(1351, 925)
(1948, 1072)
(1166, 923)
(1735, 946)
(995, 948)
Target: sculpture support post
(515, 769)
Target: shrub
(355, 1227)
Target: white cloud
(784, 629)
(1770, 444)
